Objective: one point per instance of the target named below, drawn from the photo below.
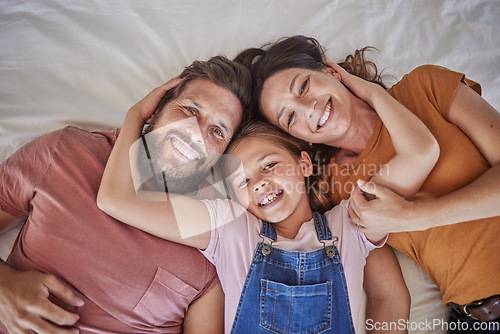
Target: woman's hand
(387, 212)
(363, 89)
(146, 107)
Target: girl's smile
(271, 199)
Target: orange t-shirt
(462, 258)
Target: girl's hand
(146, 107)
(363, 89)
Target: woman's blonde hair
(319, 199)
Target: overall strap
(322, 228)
(268, 231)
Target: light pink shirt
(235, 235)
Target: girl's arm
(416, 148)
(417, 151)
(171, 219)
(477, 200)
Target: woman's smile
(326, 115)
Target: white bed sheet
(86, 62)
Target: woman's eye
(303, 87)
(290, 119)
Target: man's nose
(194, 133)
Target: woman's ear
(306, 164)
(329, 69)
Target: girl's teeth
(270, 198)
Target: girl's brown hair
(317, 188)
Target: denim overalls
(295, 292)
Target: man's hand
(24, 303)
(387, 212)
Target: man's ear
(306, 164)
(328, 69)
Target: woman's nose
(307, 107)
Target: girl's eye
(290, 119)
(191, 110)
(269, 166)
(303, 87)
(243, 183)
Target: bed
(86, 62)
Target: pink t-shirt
(236, 233)
(131, 281)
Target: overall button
(266, 250)
(329, 252)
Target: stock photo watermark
(431, 325)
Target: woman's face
(312, 105)
(270, 181)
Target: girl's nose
(261, 184)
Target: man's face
(191, 133)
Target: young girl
(284, 267)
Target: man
(73, 268)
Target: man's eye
(218, 132)
(191, 110)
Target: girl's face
(270, 181)
(312, 105)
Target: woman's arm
(176, 217)
(479, 199)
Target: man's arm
(206, 315)
(24, 303)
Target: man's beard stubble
(180, 178)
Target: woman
(297, 89)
